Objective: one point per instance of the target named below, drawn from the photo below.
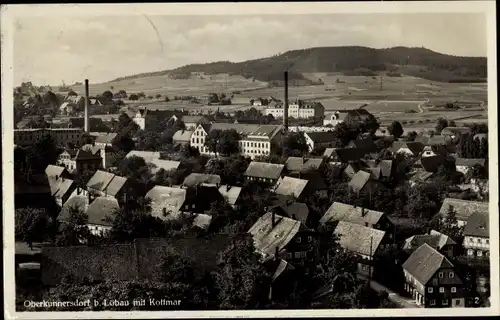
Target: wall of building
(476, 246)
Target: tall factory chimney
(87, 102)
(285, 106)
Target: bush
(412, 121)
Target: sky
(49, 50)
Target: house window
(445, 302)
(479, 253)
(441, 290)
(451, 274)
(457, 302)
(433, 302)
(299, 240)
(470, 252)
(297, 255)
(487, 241)
(453, 289)
(441, 275)
(478, 240)
(430, 290)
(309, 238)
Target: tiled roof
(346, 212)
(320, 137)
(463, 208)
(182, 135)
(424, 262)
(297, 211)
(289, 186)
(202, 221)
(60, 187)
(264, 170)
(357, 238)
(54, 171)
(267, 238)
(328, 152)
(86, 155)
(432, 163)
(359, 180)
(101, 209)
(366, 143)
(349, 154)
(80, 202)
(166, 165)
(435, 240)
(299, 164)
(106, 182)
(469, 162)
(166, 202)
(294, 163)
(105, 139)
(478, 225)
(201, 179)
(230, 193)
(148, 156)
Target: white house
(334, 118)
(298, 110)
(476, 235)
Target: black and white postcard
(194, 160)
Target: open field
(153, 85)
(398, 94)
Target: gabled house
(347, 155)
(78, 200)
(106, 153)
(358, 215)
(365, 144)
(191, 122)
(61, 188)
(436, 240)
(413, 149)
(362, 181)
(168, 165)
(278, 236)
(364, 242)
(295, 210)
(264, 172)
(464, 165)
(107, 184)
(147, 119)
(231, 194)
(182, 137)
(293, 187)
(431, 279)
(79, 160)
(319, 139)
(477, 235)
(197, 179)
(104, 139)
(57, 172)
(431, 164)
(168, 203)
(148, 156)
(379, 169)
(463, 209)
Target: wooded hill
(350, 60)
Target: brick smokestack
(285, 106)
(87, 102)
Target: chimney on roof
(273, 219)
(363, 211)
(285, 106)
(87, 101)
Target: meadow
(399, 98)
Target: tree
(449, 224)
(412, 135)
(43, 153)
(137, 170)
(158, 96)
(294, 144)
(133, 97)
(441, 124)
(74, 231)
(483, 148)
(242, 281)
(223, 141)
(31, 225)
(212, 140)
(396, 129)
(132, 222)
(72, 94)
(107, 95)
(370, 124)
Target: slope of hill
(350, 60)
